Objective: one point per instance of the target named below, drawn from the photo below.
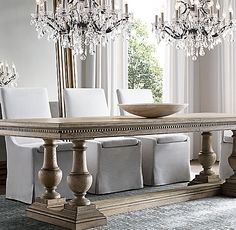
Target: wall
(34, 58)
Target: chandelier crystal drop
(81, 24)
(197, 25)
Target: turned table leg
(79, 180)
(229, 187)
(207, 159)
(85, 215)
(50, 174)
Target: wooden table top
(92, 127)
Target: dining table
(79, 212)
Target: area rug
(215, 213)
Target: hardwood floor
(195, 167)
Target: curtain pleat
(107, 70)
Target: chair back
(19, 103)
(133, 96)
(85, 102)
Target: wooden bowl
(152, 110)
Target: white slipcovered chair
(166, 157)
(114, 162)
(225, 170)
(25, 155)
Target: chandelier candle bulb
(162, 18)
(218, 10)
(177, 15)
(1, 67)
(126, 9)
(13, 69)
(230, 13)
(198, 13)
(6, 68)
(156, 20)
(37, 10)
(212, 10)
(230, 16)
(86, 3)
(113, 4)
(104, 4)
(45, 7)
(64, 2)
(90, 4)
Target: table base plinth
(229, 187)
(75, 218)
(53, 204)
(202, 179)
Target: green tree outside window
(144, 71)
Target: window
(146, 58)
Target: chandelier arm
(118, 23)
(187, 12)
(172, 33)
(203, 7)
(220, 31)
(205, 3)
(108, 18)
(95, 3)
(203, 11)
(74, 4)
(58, 28)
(81, 23)
(185, 30)
(186, 7)
(97, 29)
(53, 27)
(13, 77)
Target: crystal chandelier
(8, 76)
(197, 25)
(81, 24)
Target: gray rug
(216, 213)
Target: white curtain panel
(226, 81)
(227, 70)
(107, 69)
